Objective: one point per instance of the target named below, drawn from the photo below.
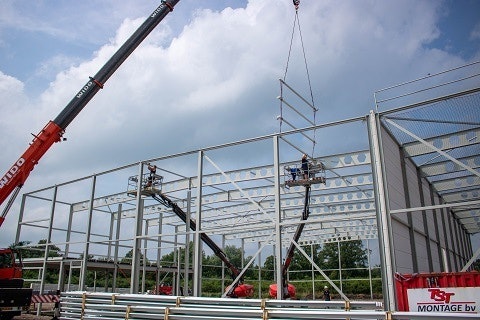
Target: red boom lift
(13, 180)
(288, 290)
(236, 289)
(315, 174)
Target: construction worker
(326, 293)
(305, 166)
(294, 171)
(151, 177)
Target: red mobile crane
(13, 180)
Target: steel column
(382, 210)
(408, 204)
(83, 270)
(278, 217)
(20, 219)
(197, 275)
(426, 227)
(137, 242)
(144, 260)
(117, 244)
(187, 242)
(47, 248)
(159, 248)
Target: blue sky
(459, 29)
(209, 62)
(39, 39)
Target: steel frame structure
(239, 198)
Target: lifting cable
(296, 22)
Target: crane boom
(15, 177)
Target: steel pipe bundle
(112, 306)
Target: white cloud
(13, 109)
(10, 84)
(50, 67)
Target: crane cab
(10, 264)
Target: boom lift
(235, 290)
(288, 289)
(13, 180)
(315, 174)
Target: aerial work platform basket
(295, 176)
(150, 184)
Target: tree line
(348, 270)
(345, 263)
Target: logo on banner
(465, 300)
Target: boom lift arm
(288, 291)
(296, 237)
(15, 177)
(232, 292)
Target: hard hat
(326, 287)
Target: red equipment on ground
(291, 291)
(242, 291)
(315, 174)
(13, 297)
(151, 186)
(164, 289)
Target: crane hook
(296, 3)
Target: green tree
(129, 256)
(301, 263)
(172, 258)
(476, 265)
(352, 256)
(268, 270)
(233, 254)
(28, 251)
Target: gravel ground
(32, 317)
(47, 313)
